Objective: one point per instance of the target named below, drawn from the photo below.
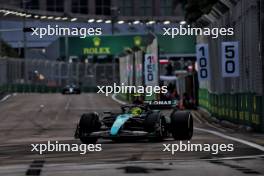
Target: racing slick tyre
(181, 125)
(155, 123)
(88, 123)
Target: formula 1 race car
(135, 122)
(71, 89)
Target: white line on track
(118, 101)
(5, 98)
(68, 104)
(251, 144)
(239, 157)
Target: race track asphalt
(27, 119)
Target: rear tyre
(155, 123)
(88, 123)
(181, 125)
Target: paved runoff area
(37, 118)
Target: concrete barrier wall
(238, 99)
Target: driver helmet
(136, 111)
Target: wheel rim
(161, 127)
(190, 126)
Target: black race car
(137, 122)
(71, 89)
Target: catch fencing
(19, 75)
(237, 99)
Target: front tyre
(155, 124)
(181, 125)
(88, 123)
